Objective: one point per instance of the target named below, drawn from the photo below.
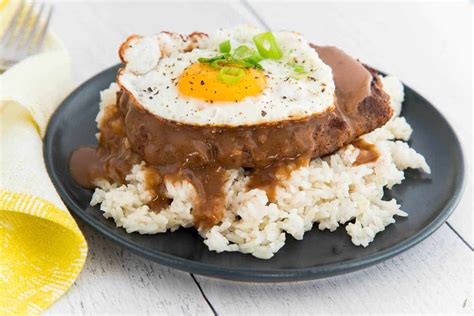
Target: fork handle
(5, 64)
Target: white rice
(330, 192)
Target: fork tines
(26, 32)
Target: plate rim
(248, 274)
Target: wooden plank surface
(427, 45)
(435, 276)
(114, 281)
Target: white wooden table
(427, 45)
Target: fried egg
(165, 74)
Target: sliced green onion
(267, 45)
(242, 52)
(218, 64)
(230, 75)
(298, 68)
(212, 59)
(247, 57)
(253, 64)
(241, 64)
(255, 58)
(299, 76)
(203, 60)
(224, 47)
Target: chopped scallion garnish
(267, 45)
(218, 64)
(299, 76)
(243, 57)
(224, 47)
(210, 60)
(242, 52)
(230, 75)
(248, 55)
(231, 66)
(298, 69)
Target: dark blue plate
(428, 199)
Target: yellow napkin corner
(41, 255)
(42, 249)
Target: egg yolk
(199, 81)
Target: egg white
(154, 64)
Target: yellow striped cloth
(42, 249)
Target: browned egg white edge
(193, 36)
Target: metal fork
(24, 35)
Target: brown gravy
(367, 152)
(352, 79)
(111, 160)
(268, 178)
(202, 154)
(207, 181)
